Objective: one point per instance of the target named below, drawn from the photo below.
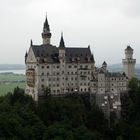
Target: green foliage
(69, 117)
(59, 118)
(18, 119)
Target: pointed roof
(104, 63)
(31, 43)
(26, 54)
(129, 48)
(46, 24)
(62, 43)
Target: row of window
(71, 90)
(113, 79)
(72, 73)
(69, 66)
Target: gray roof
(129, 48)
(115, 74)
(51, 53)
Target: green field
(8, 81)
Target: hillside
(12, 67)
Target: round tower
(129, 63)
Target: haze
(107, 25)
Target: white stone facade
(66, 70)
(129, 63)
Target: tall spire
(46, 35)
(62, 43)
(46, 24)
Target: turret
(62, 48)
(104, 65)
(46, 34)
(129, 63)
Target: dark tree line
(67, 118)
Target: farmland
(8, 81)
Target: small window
(42, 67)
(69, 66)
(47, 67)
(75, 66)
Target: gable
(31, 57)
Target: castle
(66, 70)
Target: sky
(108, 26)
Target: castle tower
(129, 63)
(46, 34)
(62, 63)
(104, 65)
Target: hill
(12, 67)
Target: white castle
(66, 70)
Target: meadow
(9, 81)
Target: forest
(70, 117)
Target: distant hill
(119, 68)
(12, 67)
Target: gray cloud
(107, 25)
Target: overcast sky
(107, 25)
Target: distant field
(9, 87)
(9, 81)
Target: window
(58, 67)
(42, 67)
(69, 66)
(42, 86)
(42, 73)
(47, 73)
(42, 80)
(75, 66)
(47, 67)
